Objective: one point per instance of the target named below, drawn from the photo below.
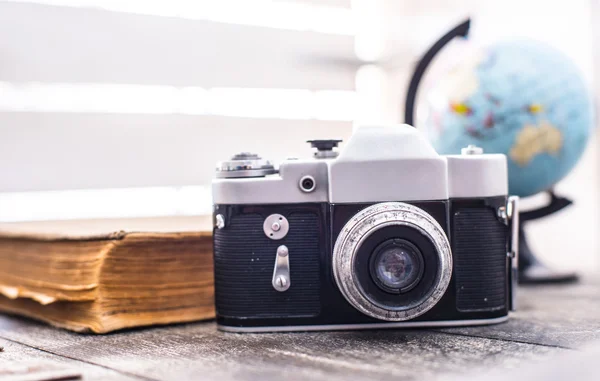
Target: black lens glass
(396, 265)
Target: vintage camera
(387, 234)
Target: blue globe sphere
(520, 98)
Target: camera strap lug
(510, 215)
(281, 273)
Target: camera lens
(392, 261)
(397, 266)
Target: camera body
(387, 234)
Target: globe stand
(531, 269)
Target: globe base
(531, 269)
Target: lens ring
(359, 228)
(400, 259)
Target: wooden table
(551, 320)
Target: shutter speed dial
(245, 164)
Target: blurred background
(121, 108)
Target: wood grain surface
(22, 362)
(552, 322)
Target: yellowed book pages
(104, 275)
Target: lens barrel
(392, 261)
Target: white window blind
(122, 108)
(105, 104)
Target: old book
(104, 275)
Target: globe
(520, 98)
